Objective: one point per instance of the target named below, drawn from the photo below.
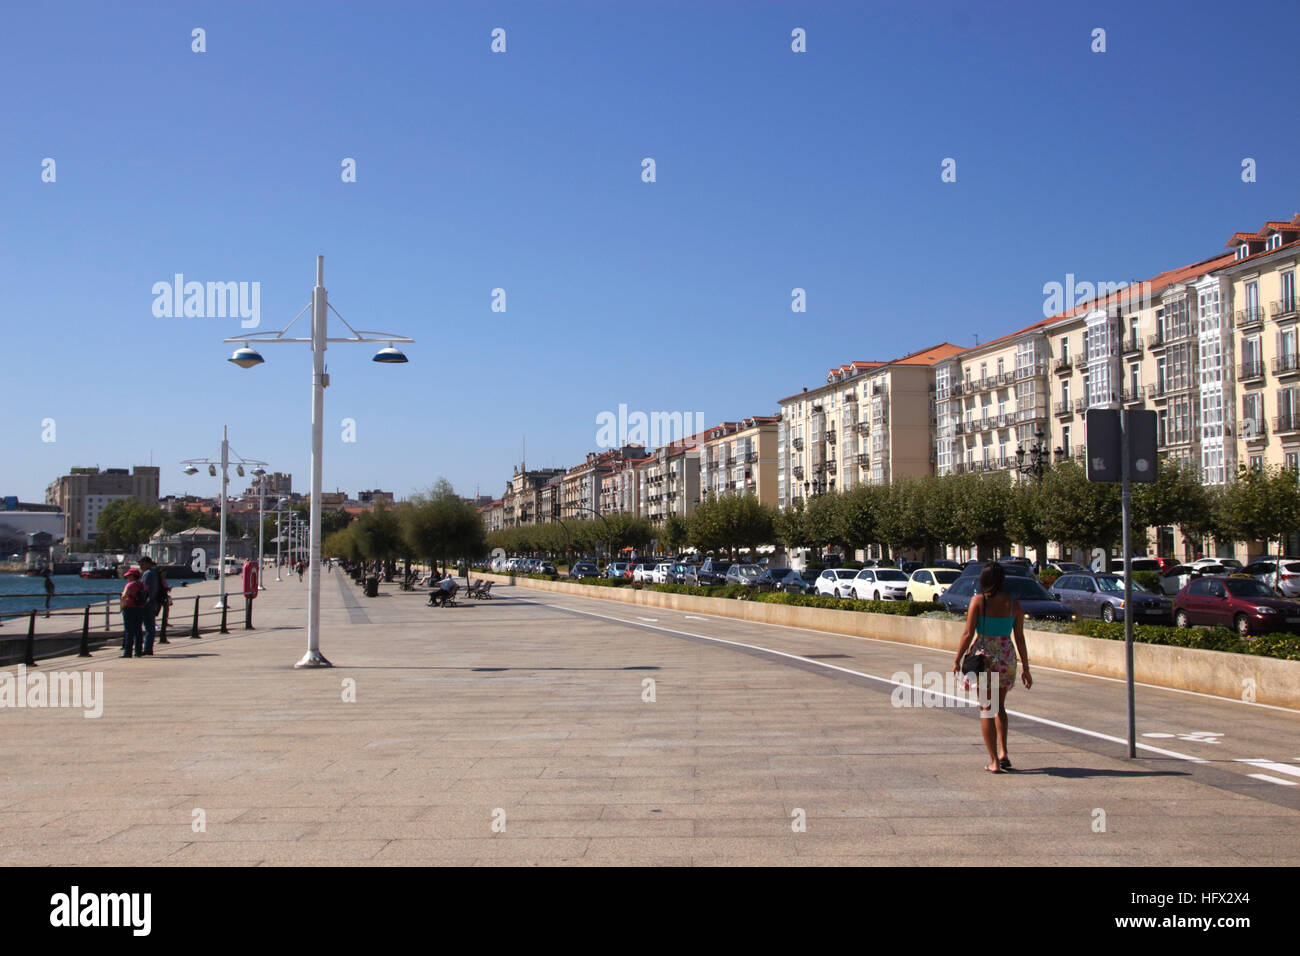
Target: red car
(1243, 604)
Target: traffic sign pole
(1126, 502)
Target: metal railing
(1251, 369)
(1284, 309)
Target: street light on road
(191, 468)
(247, 357)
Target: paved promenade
(519, 731)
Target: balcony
(1284, 310)
(830, 437)
(1131, 345)
(862, 427)
(831, 467)
(751, 457)
(1063, 364)
(1128, 397)
(960, 428)
(1253, 428)
(851, 397)
(798, 471)
(1245, 319)
(1062, 408)
(1290, 422)
(1156, 340)
(1080, 405)
(958, 389)
(1251, 370)
(797, 443)
(1287, 364)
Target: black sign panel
(1104, 444)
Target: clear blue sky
(522, 171)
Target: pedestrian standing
(134, 606)
(49, 590)
(151, 581)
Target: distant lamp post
(1034, 461)
(247, 357)
(191, 468)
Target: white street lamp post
(247, 357)
(191, 468)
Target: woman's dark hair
(992, 578)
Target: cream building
(740, 458)
(871, 422)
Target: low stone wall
(1219, 673)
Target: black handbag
(976, 662)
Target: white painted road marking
(1270, 765)
(835, 667)
(692, 617)
(647, 618)
(1264, 776)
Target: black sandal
(1005, 763)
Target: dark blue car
(1033, 597)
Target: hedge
(1284, 646)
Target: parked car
(1090, 594)
(1231, 563)
(713, 572)
(685, 572)
(879, 584)
(583, 569)
(836, 582)
(746, 574)
(545, 567)
(662, 573)
(1063, 567)
(907, 567)
(1280, 574)
(1175, 579)
(1012, 569)
(643, 573)
(1243, 604)
(788, 581)
(615, 569)
(926, 584)
(945, 563)
(1038, 605)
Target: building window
(1065, 348)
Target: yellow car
(926, 584)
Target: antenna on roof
(977, 339)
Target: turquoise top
(996, 626)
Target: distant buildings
(83, 493)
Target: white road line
(1041, 667)
(652, 619)
(835, 667)
(1264, 776)
(1270, 765)
(692, 617)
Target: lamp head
(246, 357)
(212, 470)
(190, 470)
(390, 354)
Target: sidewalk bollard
(224, 629)
(248, 614)
(162, 632)
(30, 660)
(85, 634)
(194, 631)
(108, 621)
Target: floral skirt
(1001, 654)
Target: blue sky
(522, 171)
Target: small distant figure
(329, 566)
(49, 590)
(300, 568)
(444, 591)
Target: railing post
(30, 660)
(248, 614)
(224, 604)
(162, 632)
(108, 621)
(194, 631)
(85, 634)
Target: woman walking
(992, 619)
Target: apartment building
(670, 480)
(740, 458)
(870, 423)
(621, 488)
(581, 489)
(1262, 283)
(83, 493)
(521, 504)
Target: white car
(836, 582)
(1231, 563)
(880, 584)
(643, 574)
(662, 574)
